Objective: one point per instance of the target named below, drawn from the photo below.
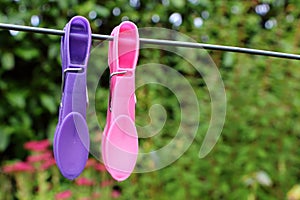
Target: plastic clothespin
(120, 138)
(71, 139)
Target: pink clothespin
(120, 138)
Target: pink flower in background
(18, 167)
(63, 195)
(106, 183)
(90, 163)
(39, 157)
(84, 181)
(96, 195)
(84, 198)
(48, 163)
(100, 167)
(37, 146)
(115, 194)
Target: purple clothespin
(71, 139)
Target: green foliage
(259, 142)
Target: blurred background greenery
(257, 154)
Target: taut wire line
(160, 42)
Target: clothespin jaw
(71, 140)
(120, 139)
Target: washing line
(160, 42)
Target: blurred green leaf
(102, 11)
(16, 99)
(4, 139)
(8, 61)
(228, 60)
(27, 53)
(49, 103)
(178, 3)
(53, 51)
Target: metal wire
(160, 42)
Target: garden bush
(256, 156)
